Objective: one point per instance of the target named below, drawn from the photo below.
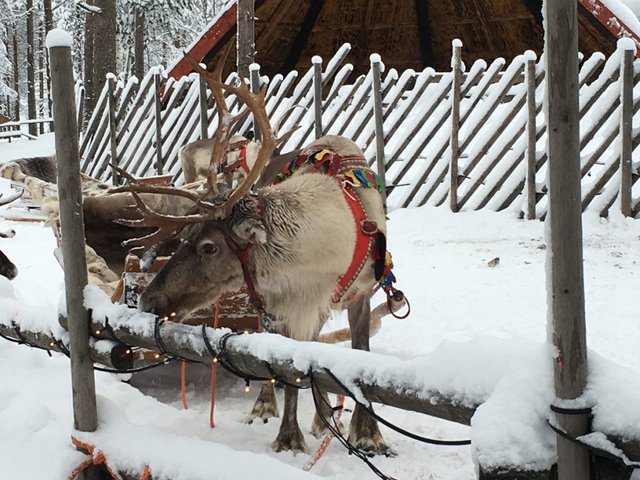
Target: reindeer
(302, 247)
(7, 267)
(195, 158)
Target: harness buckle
(368, 227)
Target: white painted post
(72, 224)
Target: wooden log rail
(269, 356)
(110, 354)
(234, 351)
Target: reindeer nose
(12, 272)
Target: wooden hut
(406, 33)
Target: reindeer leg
(266, 405)
(290, 437)
(323, 410)
(363, 429)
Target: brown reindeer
(302, 247)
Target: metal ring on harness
(397, 296)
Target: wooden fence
(485, 120)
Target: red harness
(365, 231)
(241, 146)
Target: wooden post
(530, 79)
(376, 72)
(254, 84)
(317, 95)
(113, 134)
(246, 37)
(72, 224)
(626, 117)
(564, 231)
(204, 112)
(158, 116)
(456, 67)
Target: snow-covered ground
(477, 330)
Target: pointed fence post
(204, 113)
(564, 234)
(113, 134)
(157, 82)
(317, 95)
(254, 81)
(626, 118)
(376, 70)
(72, 225)
(456, 67)
(530, 79)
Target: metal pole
(72, 225)
(564, 231)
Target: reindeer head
(220, 225)
(209, 261)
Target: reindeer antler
(225, 119)
(255, 103)
(207, 205)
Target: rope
(352, 449)
(183, 383)
(432, 441)
(619, 459)
(327, 438)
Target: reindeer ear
(251, 230)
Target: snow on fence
(486, 120)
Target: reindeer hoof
(318, 427)
(373, 446)
(263, 412)
(292, 441)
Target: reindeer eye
(208, 248)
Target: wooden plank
(91, 130)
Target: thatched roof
(406, 33)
